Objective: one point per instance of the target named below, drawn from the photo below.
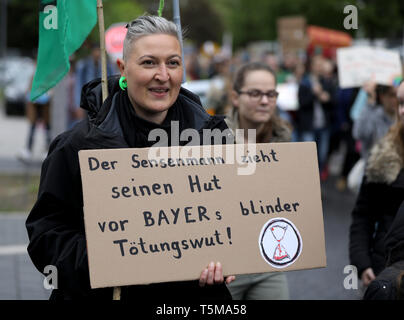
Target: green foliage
(22, 25)
(116, 11)
(248, 20)
(256, 20)
(23, 20)
(121, 11)
(199, 18)
(381, 19)
(201, 22)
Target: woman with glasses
(254, 107)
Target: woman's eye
(255, 93)
(148, 62)
(173, 63)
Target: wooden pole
(177, 21)
(104, 76)
(104, 85)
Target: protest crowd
(305, 98)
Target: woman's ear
(121, 66)
(234, 97)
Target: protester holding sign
(380, 195)
(254, 107)
(148, 96)
(375, 119)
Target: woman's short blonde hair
(147, 25)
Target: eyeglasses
(256, 95)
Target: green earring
(122, 83)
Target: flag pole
(104, 81)
(104, 85)
(177, 21)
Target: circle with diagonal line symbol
(280, 242)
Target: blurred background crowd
(298, 42)
(321, 94)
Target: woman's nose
(162, 73)
(264, 99)
(401, 110)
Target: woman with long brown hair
(380, 196)
(254, 107)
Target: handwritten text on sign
(155, 220)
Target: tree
(256, 20)
(22, 25)
(381, 19)
(199, 18)
(23, 19)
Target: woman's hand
(213, 274)
(367, 276)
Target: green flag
(63, 27)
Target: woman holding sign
(254, 107)
(147, 96)
(380, 196)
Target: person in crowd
(343, 134)
(192, 66)
(220, 86)
(74, 113)
(37, 111)
(353, 174)
(316, 101)
(87, 69)
(375, 119)
(147, 96)
(389, 284)
(254, 107)
(283, 74)
(380, 195)
(288, 66)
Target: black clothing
(372, 216)
(380, 196)
(307, 99)
(385, 286)
(55, 224)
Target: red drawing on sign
(280, 252)
(280, 242)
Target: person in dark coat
(316, 96)
(380, 196)
(151, 99)
(389, 284)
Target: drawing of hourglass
(280, 252)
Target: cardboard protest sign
(156, 218)
(292, 34)
(357, 65)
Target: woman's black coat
(380, 196)
(55, 224)
(389, 284)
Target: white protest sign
(357, 65)
(288, 96)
